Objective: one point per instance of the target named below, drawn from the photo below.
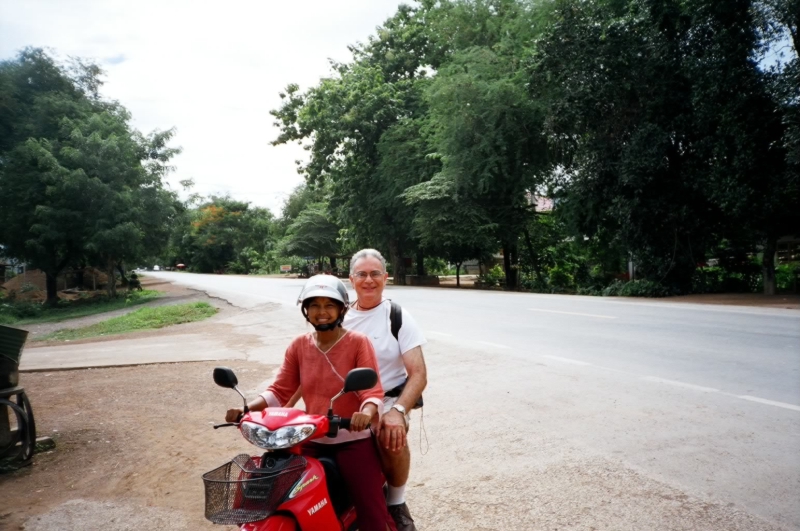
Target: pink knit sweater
(322, 376)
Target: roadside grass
(22, 312)
(142, 319)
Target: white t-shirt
(376, 325)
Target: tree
(130, 210)
(76, 180)
(312, 233)
(450, 226)
(620, 113)
(489, 136)
(42, 202)
(668, 133)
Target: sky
(212, 70)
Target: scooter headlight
(284, 437)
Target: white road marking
(566, 360)
(493, 344)
(770, 402)
(680, 384)
(573, 313)
(439, 333)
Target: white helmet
(324, 286)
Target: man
(400, 361)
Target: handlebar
(337, 424)
(238, 420)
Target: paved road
(704, 400)
(739, 351)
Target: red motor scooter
(282, 490)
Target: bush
(785, 276)
(13, 311)
(560, 280)
(722, 280)
(636, 288)
(494, 277)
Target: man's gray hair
(364, 253)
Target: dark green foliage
(77, 183)
(224, 234)
(636, 288)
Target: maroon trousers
(360, 467)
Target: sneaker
(402, 517)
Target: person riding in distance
(319, 361)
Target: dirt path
(133, 438)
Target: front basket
(239, 491)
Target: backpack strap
(396, 319)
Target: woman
(319, 361)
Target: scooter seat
(336, 487)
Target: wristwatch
(401, 409)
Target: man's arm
(417, 378)
(393, 424)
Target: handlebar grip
(344, 424)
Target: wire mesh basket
(239, 491)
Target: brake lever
(225, 425)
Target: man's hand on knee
(392, 435)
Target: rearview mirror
(224, 377)
(359, 380)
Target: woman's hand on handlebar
(360, 421)
(234, 415)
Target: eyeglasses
(374, 275)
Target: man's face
(368, 279)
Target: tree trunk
(121, 269)
(398, 266)
(768, 265)
(420, 263)
(509, 263)
(51, 282)
(534, 257)
(458, 274)
(79, 276)
(111, 272)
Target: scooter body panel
(276, 522)
(309, 500)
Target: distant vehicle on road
(156, 268)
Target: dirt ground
(110, 447)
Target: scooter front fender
(276, 522)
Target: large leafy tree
(357, 123)
(344, 119)
(620, 120)
(42, 207)
(130, 210)
(76, 180)
(669, 137)
(489, 136)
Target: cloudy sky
(212, 70)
